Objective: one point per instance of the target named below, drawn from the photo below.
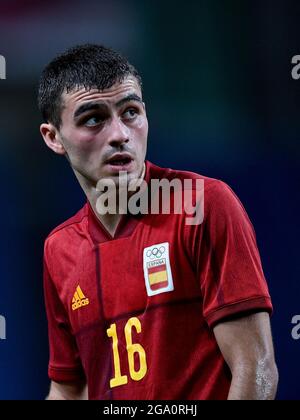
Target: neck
(112, 217)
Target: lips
(119, 159)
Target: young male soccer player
(144, 306)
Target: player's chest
(128, 276)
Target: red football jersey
(133, 314)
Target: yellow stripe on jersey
(157, 277)
(80, 293)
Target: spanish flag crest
(157, 269)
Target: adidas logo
(79, 299)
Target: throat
(110, 222)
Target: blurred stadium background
(220, 101)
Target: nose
(118, 133)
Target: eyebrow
(93, 106)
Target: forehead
(110, 96)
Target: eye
(93, 121)
(130, 113)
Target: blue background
(220, 100)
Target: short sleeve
(227, 259)
(64, 363)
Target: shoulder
(67, 231)
(215, 193)
(214, 188)
(170, 173)
(74, 220)
(214, 197)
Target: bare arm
(246, 345)
(67, 391)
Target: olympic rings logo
(155, 252)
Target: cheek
(142, 131)
(83, 142)
(142, 124)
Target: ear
(52, 138)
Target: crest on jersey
(157, 269)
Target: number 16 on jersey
(132, 349)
